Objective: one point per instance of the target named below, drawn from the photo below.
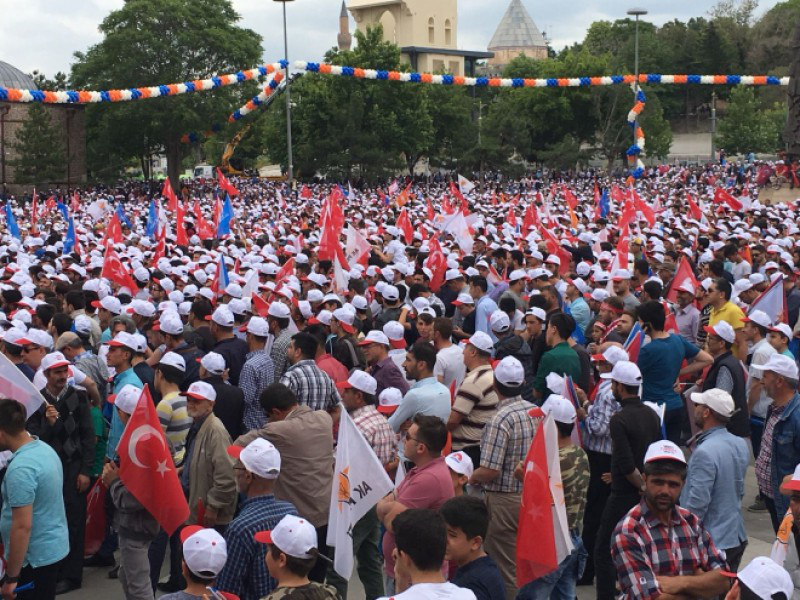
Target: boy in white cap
(562, 582)
(257, 469)
(762, 579)
(692, 567)
(461, 469)
(204, 556)
(291, 554)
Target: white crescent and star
(136, 436)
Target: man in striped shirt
(172, 413)
(476, 401)
(257, 373)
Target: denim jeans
(561, 583)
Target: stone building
(517, 34)
(68, 118)
(425, 30)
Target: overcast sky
(43, 34)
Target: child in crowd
(204, 555)
(460, 470)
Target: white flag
(359, 482)
(772, 301)
(456, 225)
(356, 245)
(14, 385)
(560, 526)
(465, 185)
(339, 277)
(251, 283)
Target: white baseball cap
(452, 274)
(127, 398)
(204, 551)
(170, 323)
(460, 462)
(223, 316)
(390, 293)
(499, 321)
(173, 359)
(621, 274)
(109, 303)
(517, 275)
(624, 372)
(279, 310)
(389, 399)
(345, 318)
(395, 331)
(125, 340)
(258, 326)
(717, 400)
(375, 336)
(463, 299)
(54, 360)
(538, 313)
(200, 390)
(214, 363)
(259, 457)
(783, 329)
(759, 317)
(765, 578)
(723, 330)
(509, 372)
(360, 380)
(482, 341)
(780, 365)
(664, 450)
(563, 410)
(293, 536)
(612, 355)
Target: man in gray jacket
(136, 527)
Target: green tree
(772, 37)
(57, 84)
(41, 157)
(153, 42)
(749, 126)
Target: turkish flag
(572, 201)
(694, 210)
(404, 223)
(305, 192)
(721, 196)
(180, 229)
(286, 270)
(169, 194)
(511, 219)
(115, 271)
(204, 229)
(683, 274)
(260, 306)
(225, 184)
(146, 467)
(161, 246)
(96, 522)
(114, 230)
(437, 263)
(431, 214)
(644, 209)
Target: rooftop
(12, 77)
(517, 30)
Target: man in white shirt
(449, 365)
(421, 539)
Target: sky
(44, 34)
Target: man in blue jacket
(714, 485)
(780, 446)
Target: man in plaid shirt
(359, 399)
(257, 373)
(310, 384)
(661, 550)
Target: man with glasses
(427, 485)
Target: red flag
(225, 184)
(529, 218)
(437, 263)
(627, 217)
(96, 523)
(404, 223)
(115, 271)
(305, 192)
(204, 229)
(180, 229)
(161, 246)
(146, 467)
(260, 306)
(50, 204)
(114, 230)
(693, 208)
(683, 273)
(572, 201)
(457, 193)
(597, 197)
(33, 214)
(431, 213)
(286, 270)
(643, 208)
(623, 246)
(511, 219)
(169, 194)
(721, 196)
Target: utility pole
(713, 125)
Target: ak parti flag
(543, 539)
(146, 467)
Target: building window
(448, 33)
(454, 70)
(438, 66)
(431, 31)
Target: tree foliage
(151, 42)
(749, 125)
(41, 156)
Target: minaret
(344, 38)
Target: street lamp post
(290, 161)
(636, 12)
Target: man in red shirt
(427, 485)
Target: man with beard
(662, 550)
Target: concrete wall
(69, 119)
(408, 22)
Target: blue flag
(152, 221)
(64, 210)
(123, 218)
(605, 206)
(224, 226)
(69, 239)
(11, 222)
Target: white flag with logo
(456, 225)
(359, 482)
(356, 245)
(14, 385)
(465, 185)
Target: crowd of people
(654, 321)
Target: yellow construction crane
(230, 148)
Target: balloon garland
(272, 84)
(158, 91)
(635, 151)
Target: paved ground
(97, 585)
